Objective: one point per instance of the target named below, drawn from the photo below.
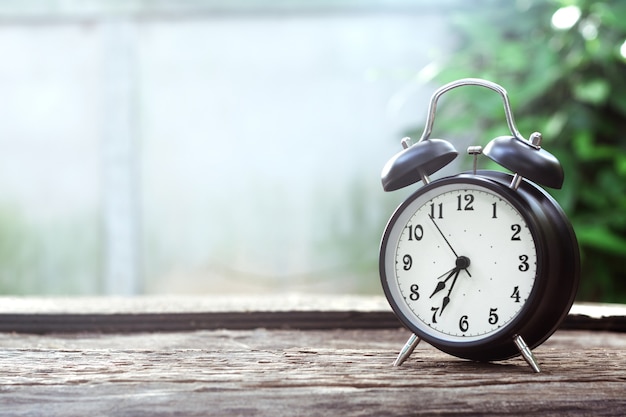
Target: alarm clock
(483, 265)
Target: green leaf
(600, 237)
(594, 92)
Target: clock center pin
(462, 262)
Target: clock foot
(407, 349)
(526, 353)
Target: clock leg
(407, 349)
(526, 353)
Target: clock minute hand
(446, 299)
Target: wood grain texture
(308, 373)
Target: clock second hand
(442, 235)
(446, 240)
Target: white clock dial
(460, 262)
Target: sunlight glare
(565, 17)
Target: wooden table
(339, 365)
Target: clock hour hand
(442, 284)
(462, 262)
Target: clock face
(459, 261)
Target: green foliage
(570, 84)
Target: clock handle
(524, 157)
(430, 120)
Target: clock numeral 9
(416, 232)
(464, 324)
(415, 295)
(407, 261)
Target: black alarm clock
(483, 265)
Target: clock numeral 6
(415, 295)
(464, 324)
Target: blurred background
(207, 146)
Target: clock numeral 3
(523, 266)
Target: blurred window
(190, 148)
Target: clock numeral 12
(469, 200)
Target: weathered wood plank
(111, 315)
(154, 322)
(286, 372)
